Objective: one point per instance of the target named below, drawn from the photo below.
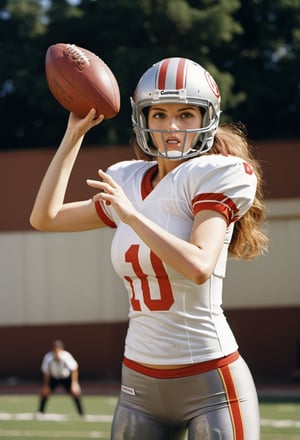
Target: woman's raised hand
(82, 125)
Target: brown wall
(97, 347)
(280, 164)
(268, 340)
(21, 173)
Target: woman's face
(174, 120)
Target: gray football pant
(218, 405)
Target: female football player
(193, 195)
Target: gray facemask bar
(202, 143)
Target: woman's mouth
(173, 141)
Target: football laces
(78, 56)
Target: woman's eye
(186, 115)
(158, 115)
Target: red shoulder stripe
(216, 202)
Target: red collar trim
(147, 181)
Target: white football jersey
(172, 319)
(59, 368)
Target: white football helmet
(176, 80)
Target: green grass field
(279, 420)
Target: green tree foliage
(21, 84)
(265, 61)
(251, 48)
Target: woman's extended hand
(112, 194)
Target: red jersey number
(166, 296)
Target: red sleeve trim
(104, 217)
(216, 202)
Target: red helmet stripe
(164, 77)
(180, 78)
(163, 74)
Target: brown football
(80, 80)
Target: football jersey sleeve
(104, 214)
(228, 186)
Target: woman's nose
(172, 124)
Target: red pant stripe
(233, 402)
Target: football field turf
(280, 420)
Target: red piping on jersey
(102, 214)
(216, 202)
(191, 370)
(233, 403)
(146, 186)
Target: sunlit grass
(279, 420)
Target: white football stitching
(79, 56)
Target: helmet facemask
(203, 140)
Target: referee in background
(59, 368)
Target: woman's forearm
(52, 191)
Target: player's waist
(172, 372)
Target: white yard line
(55, 417)
(26, 433)
(54, 434)
(92, 418)
(280, 423)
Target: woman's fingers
(85, 124)
(106, 191)
(107, 183)
(107, 178)
(112, 194)
(94, 183)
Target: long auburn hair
(249, 239)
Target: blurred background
(63, 285)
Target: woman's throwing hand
(81, 126)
